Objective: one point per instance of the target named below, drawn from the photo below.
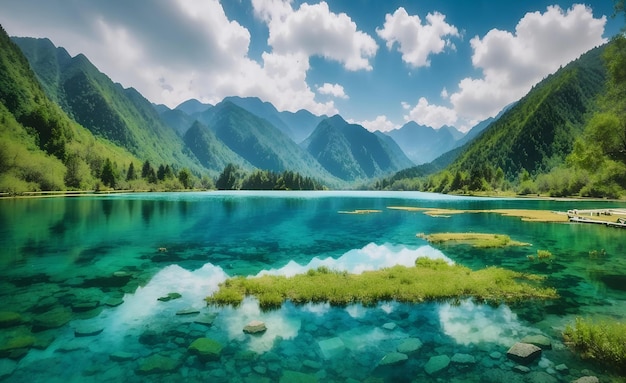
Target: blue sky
(377, 63)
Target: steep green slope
(41, 148)
(352, 153)
(539, 131)
(120, 115)
(259, 142)
(211, 152)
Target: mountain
(210, 150)
(122, 116)
(297, 126)
(41, 147)
(351, 152)
(259, 142)
(456, 134)
(421, 143)
(193, 106)
(177, 120)
(538, 132)
(302, 123)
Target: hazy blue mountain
(302, 123)
(421, 143)
(351, 152)
(456, 134)
(193, 106)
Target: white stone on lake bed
(255, 327)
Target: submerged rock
(390, 326)
(523, 353)
(206, 349)
(540, 377)
(393, 359)
(205, 320)
(9, 319)
(331, 347)
(410, 346)
(587, 379)
(87, 329)
(169, 297)
(289, 376)
(255, 327)
(7, 367)
(188, 311)
(541, 341)
(463, 359)
(16, 346)
(156, 364)
(437, 364)
(121, 356)
(54, 318)
(521, 369)
(113, 301)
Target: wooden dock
(607, 217)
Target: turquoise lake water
(85, 274)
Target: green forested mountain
(123, 116)
(562, 138)
(41, 148)
(352, 153)
(259, 142)
(539, 131)
(210, 150)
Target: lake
(81, 280)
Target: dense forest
(235, 178)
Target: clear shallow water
(75, 259)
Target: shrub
(603, 342)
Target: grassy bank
(429, 280)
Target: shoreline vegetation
(429, 280)
(604, 342)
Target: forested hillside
(123, 116)
(41, 148)
(562, 138)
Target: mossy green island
(428, 280)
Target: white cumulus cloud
(316, 31)
(380, 123)
(417, 41)
(512, 62)
(431, 115)
(334, 90)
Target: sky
(377, 63)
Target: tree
(108, 174)
(184, 176)
(227, 180)
(131, 175)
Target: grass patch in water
(603, 342)
(428, 280)
(480, 240)
(523, 214)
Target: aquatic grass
(479, 240)
(603, 342)
(428, 280)
(523, 214)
